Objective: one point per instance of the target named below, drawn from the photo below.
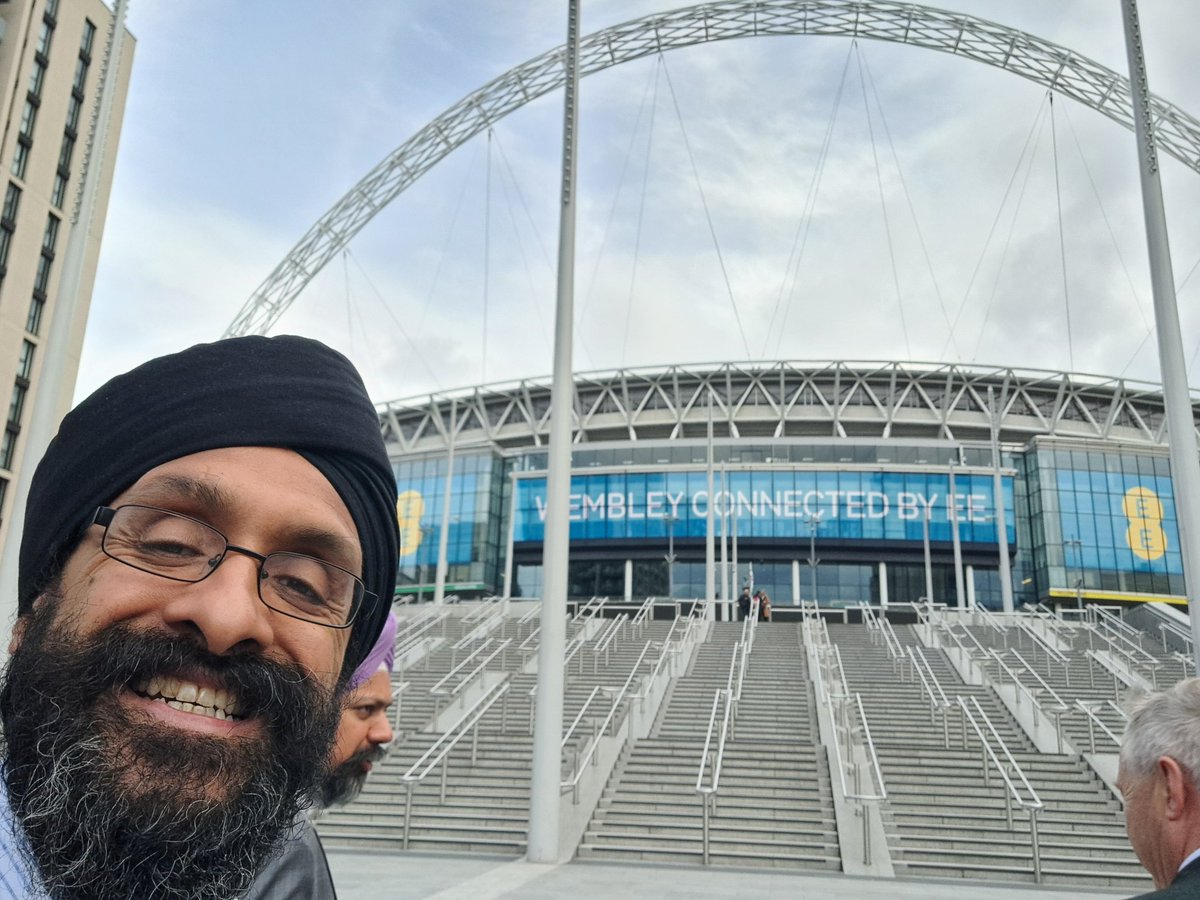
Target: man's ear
(1179, 792)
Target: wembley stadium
(831, 481)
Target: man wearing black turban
(209, 551)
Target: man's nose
(224, 609)
(381, 729)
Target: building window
(89, 38)
(74, 105)
(52, 8)
(65, 152)
(81, 68)
(17, 404)
(20, 156)
(12, 203)
(43, 44)
(42, 279)
(25, 361)
(8, 446)
(33, 323)
(37, 77)
(50, 236)
(60, 189)
(29, 117)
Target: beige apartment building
(52, 57)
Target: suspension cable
(803, 227)
(707, 216)
(637, 238)
(1062, 243)
(651, 82)
(911, 207)
(887, 227)
(415, 347)
(1032, 138)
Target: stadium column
(544, 794)
(883, 590)
(628, 580)
(1181, 423)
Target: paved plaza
(391, 876)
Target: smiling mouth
(188, 696)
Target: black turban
(285, 391)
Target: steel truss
(1045, 63)
(869, 400)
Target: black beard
(345, 782)
(115, 804)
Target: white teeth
(189, 696)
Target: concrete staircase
(774, 806)
(943, 819)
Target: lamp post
(1077, 545)
(670, 557)
(814, 521)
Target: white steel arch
(1045, 63)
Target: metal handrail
(890, 640)
(1117, 624)
(439, 689)
(570, 732)
(534, 611)
(608, 725)
(1088, 708)
(530, 638)
(1023, 689)
(838, 708)
(1033, 804)
(708, 794)
(588, 611)
(1148, 661)
(1040, 642)
(991, 620)
(439, 685)
(643, 614)
(397, 695)
(1058, 701)
(610, 633)
(1121, 632)
(428, 617)
(440, 750)
(482, 611)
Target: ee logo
(1144, 511)
(410, 506)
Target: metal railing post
(408, 804)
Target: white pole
(1181, 425)
(1006, 591)
(55, 387)
(710, 550)
(724, 552)
(512, 525)
(795, 582)
(735, 585)
(439, 578)
(952, 511)
(928, 559)
(548, 722)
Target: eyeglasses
(181, 548)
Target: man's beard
(344, 783)
(118, 804)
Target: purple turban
(383, 654)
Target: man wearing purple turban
(364, 733)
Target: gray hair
(1164, 723)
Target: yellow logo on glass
(410, 506)
(1144, 511)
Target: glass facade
(1098, 521)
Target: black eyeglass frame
(104, 516)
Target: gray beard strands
(346, 782)
(170, 821)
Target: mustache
(265, 688)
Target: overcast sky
(247, 121)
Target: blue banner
(1122, 522)
(852, 505)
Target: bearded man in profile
(209, 550)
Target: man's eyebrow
(165, 488)
(210, 497)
